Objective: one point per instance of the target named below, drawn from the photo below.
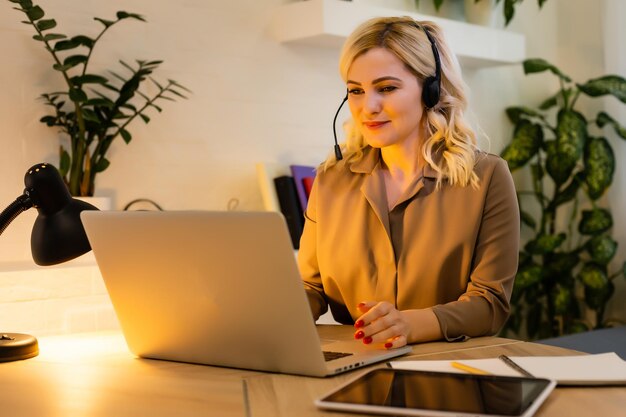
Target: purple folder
(300, 174)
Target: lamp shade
(58, 233)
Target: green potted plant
(564, 266)
(94, 109)
(508, 9)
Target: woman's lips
(375, 125)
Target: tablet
(426, 393)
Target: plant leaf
(596, 298)
(125, 135)
(509, 11)
(129, 106)
(89, 79)
(74, 60)
(516, 113)
(35, 13)
(527, 219)
(46, 24)
(608, 84)
(90, 115)
(561, 298)
(569, 192)
(145, 118)
(603, 119)
(49, 37)
(561, 265)
(549, 103)
(563, 154)
(534, 65)
(527, 139)
(437, 4)
(599, 166)
(61, 68)
(48, 120)
(101, 165)
(66, 45)
(595, 221)
(125, 15)
(105, 22)
(527, 277)
(100, 102)
(84, 41)
(593, 276)
(64, 162)
(77, 95)
(601, 248)
(545, 243)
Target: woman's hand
(381, 322)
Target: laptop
(215, 288)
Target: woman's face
(385, 99)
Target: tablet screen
(396, 390)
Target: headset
(431, 86)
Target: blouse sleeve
(307, 258)
(484, 307)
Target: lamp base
(17, 346)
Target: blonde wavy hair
(450, 148)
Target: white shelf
(327, 23)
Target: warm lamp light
(58, 236)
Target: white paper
(599, 369)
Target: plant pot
(400, 5)
(450, 9)
(101, 203)
(485, 13)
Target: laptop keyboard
(331, 356)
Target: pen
(468, 369)
(515, 366)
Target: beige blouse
(454, 249)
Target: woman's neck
(403, 162)
(401, 166)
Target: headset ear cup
(430, 92)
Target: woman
(413, 235)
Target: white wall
(253, 99)
(614, 37)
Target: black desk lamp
(57, 237)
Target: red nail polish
(359, 334)
(359, 323)
(367, 340)
(388, 345)
(360, 304)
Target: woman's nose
(372, 103)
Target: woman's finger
(396, 342)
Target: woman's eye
(387, 89)
(355, 91)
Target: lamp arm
(21, 204)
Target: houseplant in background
(564, 267)
(94, 109)
(508, 9)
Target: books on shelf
(303, 175)
(290, 207)
(286, 189)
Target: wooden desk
(90, 375)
